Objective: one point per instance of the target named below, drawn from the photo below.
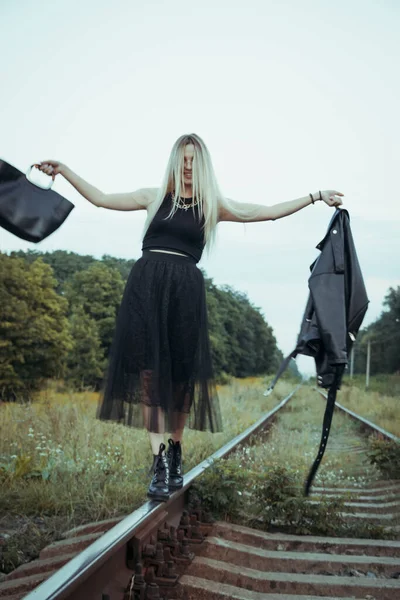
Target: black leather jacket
(336, 305)
(335, 309)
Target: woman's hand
(51, 167)
(330, 197)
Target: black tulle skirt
(159, 373)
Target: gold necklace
(180, 202)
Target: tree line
(57, 319)
(383, 335)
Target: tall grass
(381, 409)
(56, 458)
(385, 383)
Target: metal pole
(352, 363)
(368, 364)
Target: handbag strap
(29, 171)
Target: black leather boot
(174, 457)
(159, 486)
(150, 472)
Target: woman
(160, 373)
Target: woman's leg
(179, 426)
(153, 416)
(183, 396)
(155, 440)
(150, 414)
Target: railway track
(163, 551)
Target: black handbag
(27, 210)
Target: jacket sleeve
(328, 292)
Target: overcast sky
(290, 97)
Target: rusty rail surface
(366, 424)
(87, 574)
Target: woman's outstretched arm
(137, 200)
(245, 212)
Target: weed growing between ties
(386, 455)
(273, 500)
(261, 485)
(27, 537)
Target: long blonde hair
(204, 186)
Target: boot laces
(161, 469)
(174, 456)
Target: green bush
(271, 498)
(220, 489)
(386, 455)
(278, 498)
(224, 378)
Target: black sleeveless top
(183, 232)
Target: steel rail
(356, 417)
(68, 578)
